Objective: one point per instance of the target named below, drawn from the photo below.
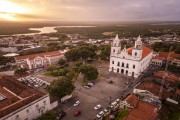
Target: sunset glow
(89, 10)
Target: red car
(78, 112)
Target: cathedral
(129, 61)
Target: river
(49, 29)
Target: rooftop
(143, 111)
(146, 51)
(45, 54)
(16, 95)
(154, 89)
(169, 76)
(132, 100)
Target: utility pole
(164, 77)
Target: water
(49, 29)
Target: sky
(90, 10)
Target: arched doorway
(122, 71)
(132, 74)
(126, 72)
(118, 70)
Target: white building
(132, 61)
(39, 60)
(20, 102)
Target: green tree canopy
(20, 71)
(61, 62)
(82, 52)
(52, 68)
(49, 115)
(90, 72)
(61, 87)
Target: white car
(113, 104)
(100, 115)
(97, 107)
(91, 84)
(117, 100)
(76, 103)
(106, 110)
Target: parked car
(106, 110)
(97, 107)
(76, 103)
(110, 82)
(87, 87)
(100, 115)
(90, 84)
(61, 115)
(117, 100)
(78, 112)
(113, 104)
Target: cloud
(117, 10)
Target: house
(21, 102)
(39, 60)
(152, 90)
(173, 58)
(138, 109)
(132, 61)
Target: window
(114, 50)
(27, 110)
(118, 64)
(37, 107)
(122, 65)
(133, 66)
(112, 62)
(118, 70)
(135, 53)
(44, 102)
(127, 66)
(17, 117)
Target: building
(39, 60)
(132, 61)
(21, 102)
(173, 58)
(138, 109)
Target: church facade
(129, 61)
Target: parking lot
(101, 93)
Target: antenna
(166, 68)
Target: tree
(52, 68)
(20, 71)
(60, 88)
(49, 115)
(177, 50)
(104, 52)
(90, 72)
(62, 62)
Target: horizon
(84, 10)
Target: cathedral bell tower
(137, 50)
(116, 46)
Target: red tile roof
(146, 51)
(154, 89)
(143, 111)
(32, 56)
(169, 76)
(19, 96)
(159, 58)
(178, 91)
(132, 100)
(165, 54)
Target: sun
(8, 17)
(8, 10)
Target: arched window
(112, 62)
(135, 54)
(114, 50)
(127, 65)
(134, 66)
(118, 70)
(118, 64)
(122, 65)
